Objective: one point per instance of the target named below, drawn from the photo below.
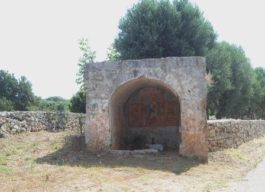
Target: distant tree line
(16, 95)
(54, 103)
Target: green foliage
(258, 100)
(24, 95)
(88, 56)
(78, 102)
(3, 159)
(50, 104)
(15, 94)
(113, 54)
(5, 170)
(219, 63)
(162, 28)
(56, 99)
(6, 105)
(154, 28)
(231, 93)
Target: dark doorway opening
(145, 112)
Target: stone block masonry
(131, 101)
(231, 133)
(18, 121)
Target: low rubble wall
(221, 133)
(22, 121)
(231, 133)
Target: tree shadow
(73, 153)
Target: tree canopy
(112, 54)
(163, 28)
(257, 108)
(15, 94)
(231, 91)
(54, 103)
(78, 102)
(88, 56)
(154, 28)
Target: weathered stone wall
(221, 133)
(18, 121)
(231, 133)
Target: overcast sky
(39, 39)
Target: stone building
(133, 103)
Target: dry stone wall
(231, 133)
(221, 133)
(18, 121)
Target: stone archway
(112, 91)
(144, 111)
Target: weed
(36, 159)
(3, 159)
(217, 184)
(237, 154)
(5, 169)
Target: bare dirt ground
(46, 161)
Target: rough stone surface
(231, 133)
(18, 121)
(221, 133)
(168, 137)
(133, 152)
(111, 84)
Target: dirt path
(253, 182)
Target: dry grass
(45, 161)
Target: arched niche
(144, 111)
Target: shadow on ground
(73, 154)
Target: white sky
(39, 39)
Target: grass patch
(234, 153)
(215, 185)
(3, 160)
(55, 145)
(5, 169)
